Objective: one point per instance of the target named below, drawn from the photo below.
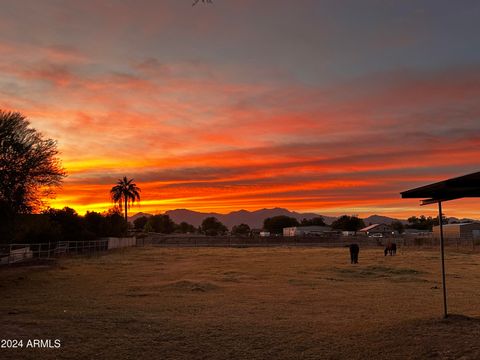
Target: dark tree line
(424, 223)
(162, 224)
(348, 223)
(165, 225)
(275, 224)
(66, 224)
(242, 230)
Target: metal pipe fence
(16, 253)
(320, 241)
(258, 241)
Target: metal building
(462, 231)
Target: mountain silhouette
(254, 219)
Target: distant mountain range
(255, 218)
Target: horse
(391, 249)
(354, 250)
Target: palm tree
(126, 192)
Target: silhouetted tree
(115, 223)
(348, 223)
(398, 226)
(140, 222)
(212, 226)
(444, 220)
(423, 222)
(160, 223)
(96, 224)
(110, 223)
(125, 193)
(36, 228)
(71, 224)
(185, 228)
(316, 221)
(276, 224)
(29, 167)
(242, 229)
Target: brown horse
(391, 249)
(354, 250)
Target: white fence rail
(116, 243)
(15, 253)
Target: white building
(305, 230)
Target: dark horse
(354, 250)
(391, 249)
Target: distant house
(416, 232)
(305, 230)
(377, 230)
(466, 231)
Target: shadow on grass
(459, 318)
(378, 272)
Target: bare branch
(195, 2)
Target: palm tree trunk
(126, 218)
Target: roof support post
(442, 250)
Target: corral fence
(429, 241)
(323, 241)
(16, 253)
(257, 241)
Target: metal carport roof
(451, 189)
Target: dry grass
(254, 303)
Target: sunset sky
(325, 106)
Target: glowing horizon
(310, 106)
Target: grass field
(252, 303)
